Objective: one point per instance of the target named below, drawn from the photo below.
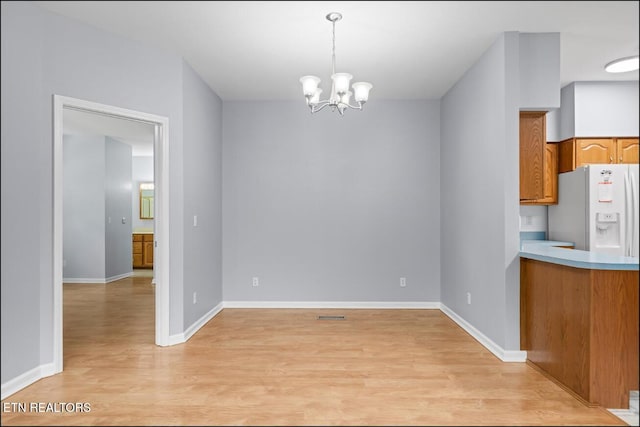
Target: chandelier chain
(333, 57)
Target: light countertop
(549, 251)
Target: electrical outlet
(255, 282)
(468, 297)
(195, 297)
(403, 282)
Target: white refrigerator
(597, 209)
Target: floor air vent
(331, 318)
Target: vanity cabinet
(538, 161)
(576, 152)
(142, 250)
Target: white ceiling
(257, 50)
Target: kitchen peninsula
(579, 320)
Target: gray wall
(23, 271)
(480, 190)
(328, 208)
(553, 125)
(600, 109)
(539, 65)
(141, 171)
(84, 207)
(567, 112)
(117, 193)
(45, 54)
(473, 198)
(96, 196)
(202, 197)
(606, 109)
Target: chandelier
(340, 94)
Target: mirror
(146, 200)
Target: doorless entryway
(161, 235)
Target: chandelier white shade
(340, 95)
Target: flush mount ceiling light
(340, 93)
(622, 65)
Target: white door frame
(161, 229)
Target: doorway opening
(161, 213)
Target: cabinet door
(627, 150)
(566, 155)
(147, 254)
(590, 151)
(533, 135)
(551, 174)
(137, 251)
(550, 177)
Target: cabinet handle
(610, 159)
(620, 159)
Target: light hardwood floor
(285, 367)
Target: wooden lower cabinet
(142, 250)
(580, 327)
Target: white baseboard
(195, 327)
(98, 280)
(26, 379)
(333, 304)
(119, 276)
(499, 352)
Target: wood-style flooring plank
(285, 367)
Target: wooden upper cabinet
(627, 150)
(538, 161)
(576, 152)
(551, 174)
(592, 151)
(532, 154)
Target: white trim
(499, 352)
(627, 415)
(176, 339)
(161, 229)
(195, 327)
(162, 247)
(96, 280)
(58, 105)
(87, 280)
(119, 276)
(26, 379)
(333, 304)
